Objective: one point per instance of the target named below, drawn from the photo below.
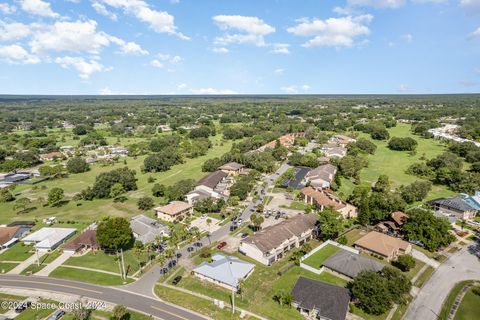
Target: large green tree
(114, 233)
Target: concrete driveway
(462, 265)
(55, 264)
(30, 260)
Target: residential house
(320, 300)
(224, 271)
(297, 181)
(51, 156)
(146, 229)
(321, 177)
(174, 211)
(322, 199)
(49, 238)
(287, 140)
(455, 207)
(350, 264)
(85, 241)
(472, 201)
(383, 245)
(334, 151)
(341, 140)
(399, 218)
(273, 242)
(10, 235)
(232, 168)
(214, 185)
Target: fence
(320, 247)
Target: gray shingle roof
(351, 264)
(455, 203)
(147, 229)
(226, 269)
(330, 301)
(212, 179)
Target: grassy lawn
(354, 235)
(102, 315)
(418, 265)
(359, 312)
(88, 276)
(401, 310)
(395, 163)
(469, 307)
(423, 278)
(8, 297)
(316, 260)
(102, 261)
(297, 205)
(89, 210)
(17, 252)
(31, 313)
(44, 260)
(5, 266)
(448, 303)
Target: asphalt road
(462, 265)
(150, 306)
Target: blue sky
(239, 46)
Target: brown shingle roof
(273, 236)
(212, 179)
(87, 238)
(174, 208)
(399, 217)
(322, 198)
(381, 243)
(7, 233)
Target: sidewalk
(422, 257)
(54, 264)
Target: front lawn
(423, 278)
(88, 276)
(17, 252)
(469, 307)
(316, 260)
(44, 260)
(5, 266)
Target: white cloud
(279, 72)
(16, 54)
(403, 88)
(294, 89)
(333, 32)
(212, 91)
(101, 9)
(38, 7)
(13, 31)
(470, 6)
(182, 86)
(407, 37)
(281, 48)
(220, 50)
(252, 30)
(392, 4)
(159, 21)
(165, 60)
(6, 8)
(475, 34)
(85, 68)
(468, 83)
(128, 48)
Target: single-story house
(322, 200)
(51, 156)
(232, 168)
(383, 245)
(271, 244)
(225, 271)
(10, 235)
(322, 176)
(334, 151)
(146, 229)
(175, 210)
(86, 240)
(341, 139)
(211, 186)
(320, 300)
(455, 206)
(213, 179)
(350, 264)
(49, 238)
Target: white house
(49, 238)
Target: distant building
(146, 229)
(334, 151)
(322, 176)
(319, 300)
(51, 156)
(232, 168)
(341, 139)
(174, 211)
(383, 245)
(224, 271)
(322, 200)
(272, 243)
(214, 185)
(287, 140)
(455, 207)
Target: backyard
(316, 260)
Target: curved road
(150, 306)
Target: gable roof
(232, 166)
(7, 234)
(86, 238)
(399, 217)
(351, 264)
(324, 172)
(273, 236)
(330, 301)
(147, 229)
(226, 269)
(381, 243)
(213, 179)
(49, 237)
(323, 199)
(174, 208)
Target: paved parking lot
(202, 225)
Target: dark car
(57, 315)
(233, 227)
(244, 235)
(164, 270)
(190, 249)
(221, 245)
(179, 255)
(23, 306)
(172, 264)
(198, 244)
(176, 280)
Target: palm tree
(241, 287)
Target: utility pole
(124, 275)
(38, 258)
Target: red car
(221, 245)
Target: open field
(316, 260)
(93, 210)
(395, 163)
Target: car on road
(198, 244)
(221, 245)
(172, 263)
(244, 235)
(163, 270)
(190, 249)
(179, 255)
(57, 315)
(21, 307)
(176, 280)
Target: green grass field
(93, 210)
(395, 163)
(469, 307)
(450, 300)
(44, 260)
(17, 252)
(316, 260)
(98, 278)
(5, 267)
(423, 278)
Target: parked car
(244, 235)
(190, 249)
(233, 226)
(23, 306)
(221, 245)
(163, 270)
(240, 220)
(176, 280)
(57, 315)
(203, 216)
(179, 255)
(198, 244)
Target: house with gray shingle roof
(351, 264)
(455, 207)
(146, 229)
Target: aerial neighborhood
(225, 211)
